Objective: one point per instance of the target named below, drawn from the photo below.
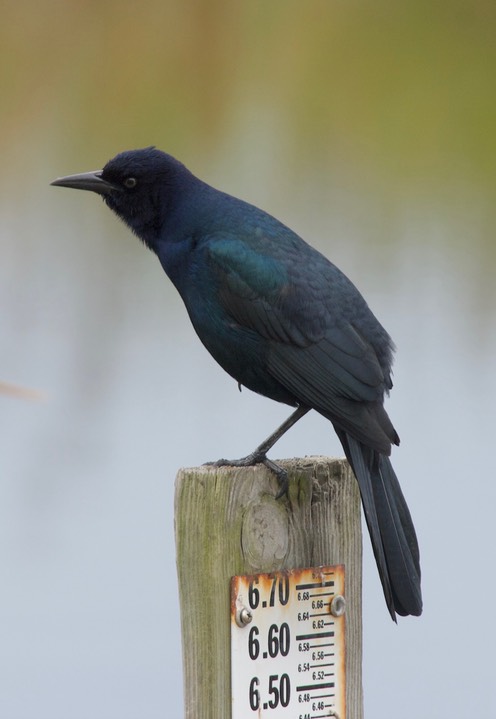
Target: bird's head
(140, 186)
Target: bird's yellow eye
(130, 182)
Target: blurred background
(369, 128)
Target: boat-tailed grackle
(281, 320)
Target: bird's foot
(250, 461)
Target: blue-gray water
(89, 614)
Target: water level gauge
(288, 644)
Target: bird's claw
(282, 477)
(250, 461)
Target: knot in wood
(265, 534)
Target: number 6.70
(283, 592)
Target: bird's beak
(87, 181)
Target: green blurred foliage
(395, 94)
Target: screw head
(243, 617)
(338, 605)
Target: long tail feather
(390, 527)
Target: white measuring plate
(288, 644)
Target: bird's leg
(259, 455)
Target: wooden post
(228, 522)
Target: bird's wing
(314, 348)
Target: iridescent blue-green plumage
(284, 322)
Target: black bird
(281, 320)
